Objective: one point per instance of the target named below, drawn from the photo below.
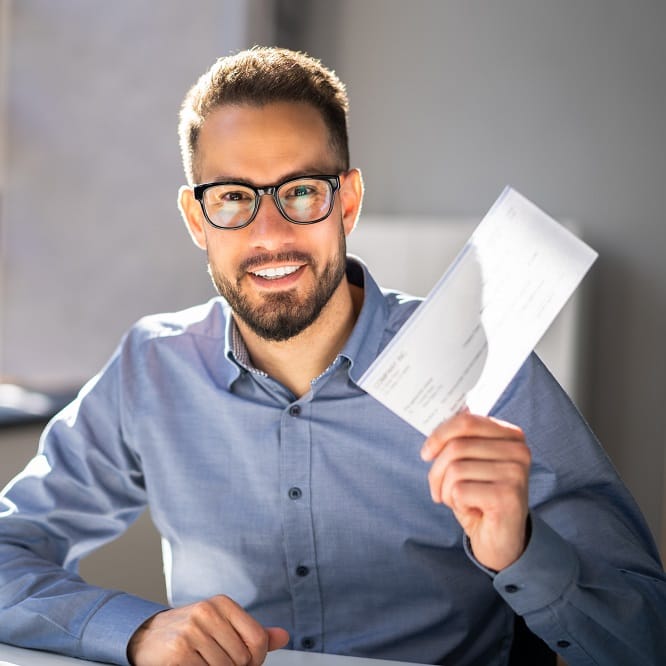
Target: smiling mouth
(275, 273)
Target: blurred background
(451, 100)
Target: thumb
(277, 638)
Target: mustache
(279, 257)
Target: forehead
(262, 143)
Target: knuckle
(256, 639)
(223, 601)
(520, 452)
(456, 447)
(467, 420)
(510, 496)
(457, 467)
(505, 492)
(452, 474)
(457, 494)
(436, 475)
(514, 475)
(522, 463)
(204, 612)
(256, 650)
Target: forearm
(43, 606)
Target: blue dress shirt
(314, 513)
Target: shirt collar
(235, 351)
(362, 345)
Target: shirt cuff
(541, 575)
(112, 626)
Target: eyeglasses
(301, 200)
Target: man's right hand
(214, 632)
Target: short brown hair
(259, 76)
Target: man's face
(277, 276)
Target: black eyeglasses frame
(199, 191)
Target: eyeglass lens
(304, 200)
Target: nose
(269, 229)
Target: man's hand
(480, 469)
(215, 632)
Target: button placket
(295, 443)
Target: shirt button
(563, 644)
(511, 588)
(295, 493)
(308, 643)
(295, 410)
(302, 571)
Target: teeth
(273, 273)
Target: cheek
(221, 253)
(327, 235)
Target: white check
(466, 341)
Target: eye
(299, 191)
(235, 196)
(228, 195)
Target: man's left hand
(480, 469)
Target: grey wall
(566, 101)
(91, 236)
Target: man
(295, 510)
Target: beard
(283, 315)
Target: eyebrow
(304, 171)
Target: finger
(225, 646)
(488, 450)
(467, 425)
(252, 636)
(214, 637)
(496, 503)
(464, 473)
(443, 477)
(277, 638)
(476, 451)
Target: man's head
(266, 145)
(261, 76)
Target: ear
(192, 216)
(351, 198)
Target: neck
(299, 360)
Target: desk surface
(13, 656)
